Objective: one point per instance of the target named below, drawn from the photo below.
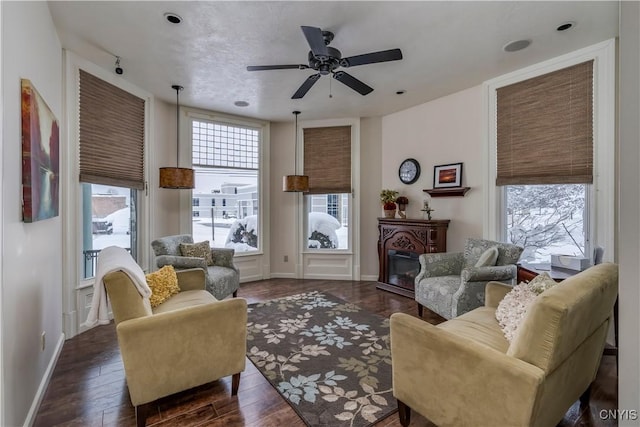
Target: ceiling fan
(325, 60)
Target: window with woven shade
(327, 159)
(111, 134)
(545, 128)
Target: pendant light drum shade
(295, 183)
(298, 183)
(177, 177)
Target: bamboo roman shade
(327, 159)
(545, 129)
(111, 134)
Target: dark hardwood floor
(88, 386)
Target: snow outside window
(226, 163)
(328, 221)
(108, 219)
(547, 219)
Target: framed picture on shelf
(447, 176)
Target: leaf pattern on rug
(328, 358)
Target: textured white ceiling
(447, 47)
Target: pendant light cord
(178, 88)
(295, 161)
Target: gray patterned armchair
(223, 277)
(450, 284)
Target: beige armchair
(464, 372)
(189, 340)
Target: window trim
(189, 113)
(602, 195)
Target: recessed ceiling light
(401, 92)
(241, 104)
(565, 26)
(516, 45)
(173, 18)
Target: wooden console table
(403, 240)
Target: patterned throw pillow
(198, 250)
(488, 257)
(513, 307)
(163, 284)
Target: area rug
(328, 358)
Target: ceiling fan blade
(372, 58)
(352, 82)
(302, 90)
(277, 67)
(315, 40)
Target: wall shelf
(447, 192)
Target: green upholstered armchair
(464, 372)
(189, 340)
(223, 277)
(450, 284)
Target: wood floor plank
(88, 386)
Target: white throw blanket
(110, 259)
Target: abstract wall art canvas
(40, 157)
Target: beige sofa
(189, 340)
(464, 372)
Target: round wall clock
(409, 171)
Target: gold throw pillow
(163, 284)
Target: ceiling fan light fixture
(326, 60)
(295, 183)
(177, 177)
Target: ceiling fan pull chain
(330, 94)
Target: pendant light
(178, 178)
(295, 183)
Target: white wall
(31, 297)
(370, 185)
(629, 207)
(446, 130)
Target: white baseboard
(282, 275)
(369, 278)
(42, 388)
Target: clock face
(409, 171)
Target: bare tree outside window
(546, 219)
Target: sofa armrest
(494, 292)
(169, 352)
(444, 376)
(484, 274)
(223, 257)
(192, 279)
(440, 264)
(181, 262)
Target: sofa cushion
(198, 250)
(185, 299)
(488, 257)
(479, 325)
(163, 284)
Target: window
(327, 221)
(109, 218)
(547, 219)
(327, 162)
(111, 167)
(531, 203)
(225, 158)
